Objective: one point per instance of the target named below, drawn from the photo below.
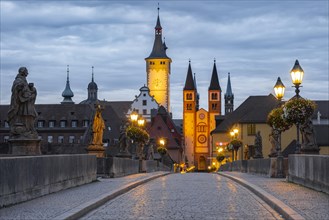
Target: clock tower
(158, 69)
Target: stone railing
(27, 177)
(310, 170)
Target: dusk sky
(256, 41)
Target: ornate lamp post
(297, 74)
(234, 134)
(279, 93)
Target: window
(251, 129)
(5, 139)
(51, 124)
(41, 124)
(60, 139)
(71, 139)
(144, 111)
(63, 124)
(189, 96)
(189, 107)
(214, 96)
(74, 123)
(214, 106)
(6, 124)
(202, 127)
(50, 139)
(85, 123)
(144, 102)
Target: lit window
(251, 129)
(50, 139)
(71, 139)
(51, 124)
(60, 139)
(74, 124)
(41, 124)
(63, 124)
(85, 123)
(5, 139)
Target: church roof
(189, 82)
(214, 83)
(159, 48)
(67, 93)
(229, 88)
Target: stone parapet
(310, 170)
(28, 177)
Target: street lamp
(279, 89)
(234, 135)
(279, 93)
(162, 142)
(141, 122)
(133, 117)
(297, 74)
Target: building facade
(198, 123)
(158, 69)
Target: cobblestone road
(188, 196)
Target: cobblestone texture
(188, 196)
(50, 206)
(307, 202)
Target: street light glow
(279, 89)
(297, 74)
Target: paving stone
(188, 196)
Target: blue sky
(256, 41)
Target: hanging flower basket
(297, 110)
(138, 135)
(236, 144)
(276, 120)
(162, 150)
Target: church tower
(158, 69)
(214, 98)
(67, 93)
(92, 88)
(189, 114)
(229, 97)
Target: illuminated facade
(158, 69)
(198, 123)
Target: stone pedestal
(24, 146)
(97, 150)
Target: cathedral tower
(92, 88)
(189, 114)
(158, 69)
(214, 98)
(229, 97)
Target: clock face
(157, 83)
(202, 138)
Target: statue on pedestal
(309, 144)
(258, 146)
(22, 116)
(274, 140)
(98, 126)
(22, 113)
(124, 142)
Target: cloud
(256, 41)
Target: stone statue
(246, 152)
(258, 146)
(98, 127)
(22, 113)
(274, 140)
(308, 136)
(150, 150)
(124, 142)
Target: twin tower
(197, 123)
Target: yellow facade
(158, 80)
(286, 137)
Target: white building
(143, 104)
